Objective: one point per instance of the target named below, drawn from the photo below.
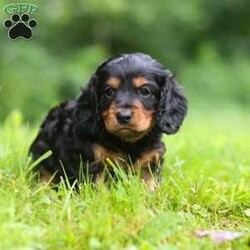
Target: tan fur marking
(114, 82)
(142, 119)
(141, 122)
(47, 177)
(101, 154)
(144, 162)
(149, 180)
(139, 81)
(109, 118)
(147, 158)
(100, 180)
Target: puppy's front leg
(150, 178)
(97, 173)
(149, 164)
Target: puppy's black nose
(124, 116)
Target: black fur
(72, 129)
(172, 106)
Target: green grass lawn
(205, 186)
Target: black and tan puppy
(128, 103)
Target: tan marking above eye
(139, 81)
(114, 82)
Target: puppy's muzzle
(123, 116)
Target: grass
(205, 186)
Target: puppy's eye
(109, 92)
(144, 91)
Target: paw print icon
(20, 26)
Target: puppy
(129, 102)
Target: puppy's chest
(126, 159)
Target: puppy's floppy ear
(87, 111)
(172, 106)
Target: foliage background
(206, 43)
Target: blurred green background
(206, 43)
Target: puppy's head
(136, 94)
